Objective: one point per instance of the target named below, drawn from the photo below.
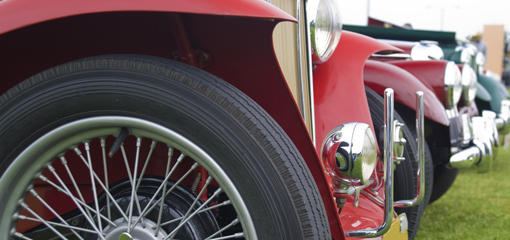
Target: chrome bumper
(489, 132)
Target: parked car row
(219, 119)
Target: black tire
(443, 175)
(443, 180)
(226, 132)
(405, 172)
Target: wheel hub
(146, 231)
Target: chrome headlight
(452, 85)
(469, 85)
(426, 50)
(325, 28)
(467, 54)
(349, 154)
(480, 61)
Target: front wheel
(147, 148)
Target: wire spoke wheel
(73, 152)
(137, 147)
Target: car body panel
(338, 84)
(430, 73)
(380, 75)
(496, 89)
(20, 13)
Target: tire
(443, 180)
(211, 129)
(405, 172)
(443, 175)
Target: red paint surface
(19, 13)
(381, 75)
(338, 84)
(340, 98)
(430, 73)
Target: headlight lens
(480, 61)
(469, 85)
(325, 28)
(467, 54)
(452, 85)
(349, 154)
(426, 50)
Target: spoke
(93, 182)
(69, 173)
(132, 179)
(35, 194)
(207, 182)
(23, 217)
(216, 193)
(91, 222)
(237, 235)
(153, 145)
(225, 203)
(149, 208)
(25, 206)
(105, 191)
(168, 163)
(105, 166)
(19, 235)
(233, 223)
(43, 178)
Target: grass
(477, 206)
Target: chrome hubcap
(139, 232)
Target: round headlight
(480, 62)
(467, 53)
(426, 50)
(452, 85)
(469, 85)
(349, 154)
(325, 28)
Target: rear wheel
(147, 148)
(405, 172)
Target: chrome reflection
(349, 154)
(426, 50)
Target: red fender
(339, 92)
(242, 51)
(430, 73)
(339, 96)
(381, 75)
(20, 13)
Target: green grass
(477, 206)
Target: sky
(465, 17)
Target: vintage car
(199, 119)
(451, 107)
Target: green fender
(496, 89)
(482, 93)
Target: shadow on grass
(477, 206)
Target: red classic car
(199, 119)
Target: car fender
(241, 48)
(381, 75)
(339, 92)
(20, 13)
(496, 90)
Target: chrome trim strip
(393, 55)
(300, 73)
(388, 172)
(308, 44)
(420, 174)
